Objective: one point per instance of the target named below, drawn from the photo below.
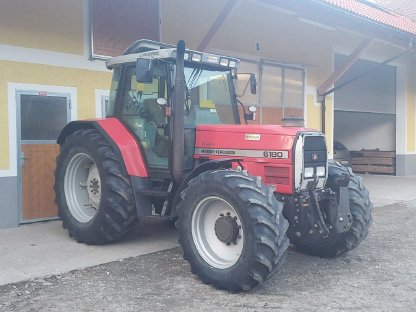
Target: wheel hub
(82, 187)
(217, 232)
(226, 229)
(94, 186)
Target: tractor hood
(278, 154)
(247, 137)
(264, 129)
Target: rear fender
(126, 148)
(118, 136)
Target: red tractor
(174, 146)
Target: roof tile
(376, 14)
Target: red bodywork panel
(265, 150)
(129, 149)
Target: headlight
(224, 62)
(308, 173)
(232, 64)
(320, 172)
(213, 59)
(196, 57)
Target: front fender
(203, 167)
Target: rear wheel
(360, 205)
(93, 193)
(231, 229)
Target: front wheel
(336, 244)
(231, 229)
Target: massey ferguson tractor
(176, 144)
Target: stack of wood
(373, 161)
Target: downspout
(178, 132)
(323, 110)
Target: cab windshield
(208, 97)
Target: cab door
(146, 118)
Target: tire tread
(265, 215)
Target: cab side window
(145, 117)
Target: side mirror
(144, 71)
(162, 101)
(253, 84)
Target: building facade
(52, 71)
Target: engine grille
(315, 152)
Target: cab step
(155, 193)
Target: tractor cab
(142, 97)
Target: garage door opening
(365, 117)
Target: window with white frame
(280, 90)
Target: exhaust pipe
(178, 132)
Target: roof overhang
(324, 13)
(372, 13)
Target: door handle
(23, 158)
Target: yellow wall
(313, 113)
(314, 119)
(86, 81)
(55, 25)
(329, 118)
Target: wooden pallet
(373, 169)
(373, 153)
(373, 161)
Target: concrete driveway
(377, 276)
(386, 190)
(44, 249)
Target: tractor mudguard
(128, 153)
(118, 137)
(224, 163)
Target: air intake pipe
(178, 132)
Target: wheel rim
(205, 219)
(82, 187)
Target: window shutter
(117, 24)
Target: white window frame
(100, 95)
(13, 88)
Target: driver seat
(157, 121)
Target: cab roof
(149, 49)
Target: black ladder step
(154, 193)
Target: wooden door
(42, 116)
(38, 196)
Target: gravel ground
(380, 275)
